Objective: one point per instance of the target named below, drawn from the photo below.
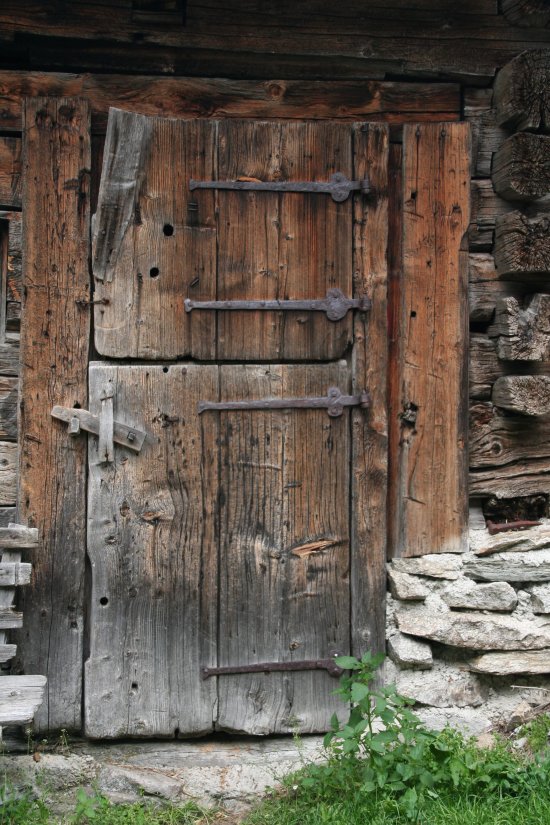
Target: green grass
(537, 733)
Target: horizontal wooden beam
(10, 620)
(486, 367)
(7, 652)
(521, 168)
(20, 698)
(522, 91)
(18, 537)
(13, 574)
(386, 101)
(498, 438)
(522, 478)
(522, 244)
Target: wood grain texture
(284, 482)
(20, 698)
(486, 208)
(8, 408)
(522, 244)
(522, 91)
(9, 355)
(525, 394)
(187, 97)
(523, 332)
(17, 537)
(497, 438)
(487, 135)
(369, 470)
(56, 164)
(521, 168)
(7, 515)
(521, 478)
(10, 172)
(486, 367)
(152, 550)
(8, 473)
(283, 245)
(431, 508)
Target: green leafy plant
(537, 733)
(20, 808)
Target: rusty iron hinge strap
(271, 667)
(335, 304)
(334, 402)
(339, 187)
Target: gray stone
(514, 661)
(519, 541)
(540, 598)
(479, 631)
(494, 596)
(52, 771)
(409, 653)
(531, 566)
(129, 782)
(433, 565)
(441, 687)
(406, 587)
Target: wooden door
(236, 536)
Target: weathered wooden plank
(521, 168)
(285, 481)
(7, 515)
(10, 619)
(10, 172)
(522, 244)
(498, 438)
(8, 407)
(486, 207)
(8, 473)
(56, 167)
(13, 574)
(522, 333)
(9, 355)
(527, 13)
(523, 478)
(17, 536)
(486, 367)
(369, 471)
(522, 91)
(153, 554)
(14, 270)
(203, 97)
(20, 698)
(525, 394)
(432, 360)
(148, 254)
(487, 136)
(7, 652)
(272, 245)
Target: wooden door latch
(108, 431)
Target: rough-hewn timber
(523, 334)
(525, 394)
(522, 91)
(521, 167)
(522, 244)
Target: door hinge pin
(339, 187)
(335, 305)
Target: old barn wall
(397, 62)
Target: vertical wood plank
(370, 363)
(431, 507)
(54, 361)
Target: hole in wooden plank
(134, 685)
(154, 272)
(104, 600)
(165, 369)
(168, 229)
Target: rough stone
(128, 782)
(509, 663)
(441, 687)
(53, 771)
(479, 631)
(494, 596)
(433, 565)
(529, 566)
(406, 587)
(519, 541)
(410, 653)
(520, 714)
(540, 598)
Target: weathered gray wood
(17, 536)
(523, 334)
(10, 172)
(434, 323)
(54, 355)
(522, 244)
(487, 136)
(20, 698)
(7, 652)
(8, 473)
(285, 480)
(7, 515)
(485, 289)
(521, 168)
(9, 355)
(486, 207)
(152, 549)
(523, 478)
(497, 438)
(13, 574)
(90, 423)
(8, 407)
(522, 91)
(10, 619)
(525, 394)
(484, 366)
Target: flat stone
(127, 782)
(409, 653)
(519, 541)
(441, 687)
(406, 587)
(479, 631)
(530, 566)
(504, 664)
(540, 598)
(433, 565)
(494, 596)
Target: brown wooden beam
(521, 168)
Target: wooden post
(54, 363)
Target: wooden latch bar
(122, 434)
(334, 403)
(339, 187)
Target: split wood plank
(7, 515)
(522, 91)
(20, 698)
(284, 482)
(522, 332)
(9, 355)
(153, 554)
(430, 510)
(10, 172)
(486, 208)
(14, 269)
(190, 97)
(56, 165)
(369, 471)
(7, 652)
(521, 478)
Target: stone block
(512, 662)
(406, 587)
(409, 653)
(441, 687)
(529, 566)
(433, 565)
(493, 596)
(540, 598)
(519, 541)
